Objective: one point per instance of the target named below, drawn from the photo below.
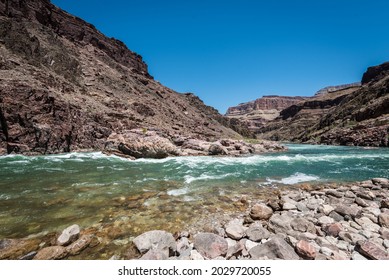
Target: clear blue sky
(233, 51)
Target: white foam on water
(189, 179)
(178, 192)
(295, 179)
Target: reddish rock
(333, 229)
(261, 212)
(371, 250)
(79, 245)
(51, 253)
(210, 245)
(305, 250)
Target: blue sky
(233, 51)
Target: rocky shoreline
(322, 222)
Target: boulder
(12, 249)
(80, 244)
(383, 182)
(256, 232)
(371, 251)
(235, 229)
(302, 225)
(280, 223)
(51, 253)
(383, 220)
(333, 229)
(156, 239)
(349, 210)
(155, 254)
(305, 250)
(68, 235)
(216, 150)
(261, 212)
(210, 245)
(275, 248)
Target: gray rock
(68, 235)
(357, 256)
(384, 232)
(337, 217)
(361, 202)
(325, 220)
(194, 255)
(302, 225)
(183, 246)
(326, 251)
(250, 244)
(350, 210)
(383, 182)
(276, 248)
(235, 229)
(302, 207)
(334, 193)
(289, 206)
(80, 244)
(352, 238)
(326, 209)
(157, 239)
(210, 245)
(257, 232)
(154, 254)
(280, 222)
(261, 212)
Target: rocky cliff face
(260, 111)
(64, 86)
(356, 115)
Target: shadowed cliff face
(64, 86)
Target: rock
(302, 225)
(337, 217)
(326, 209)
(350, 210)
(334, 193)
(154, 254)
(323, 220)
(384, 232)
(216, 149)
(29, 256)
(51, 253)
(305, 250)
(183, 246)
(256, 232)
(13, 249)
(235, 250)
(361, 202)
(302, 207)
(235, 229)
(358, 257)
(210, 245)
(383, 220)
(250, 244)
(68, 235)
(371, 250)
(333, 229)
(326, 251)
(280, 223)
(367, 224)
(157, 239)
(288, 206)
(385, 203)
(261, 212)
(383, 182)
(352, 238)
(275, 248)
(194, 255)
(79, 245)
(371, 210)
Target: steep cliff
(262, 110)
(356, 115)
(64, 86)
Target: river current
(47, 193)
